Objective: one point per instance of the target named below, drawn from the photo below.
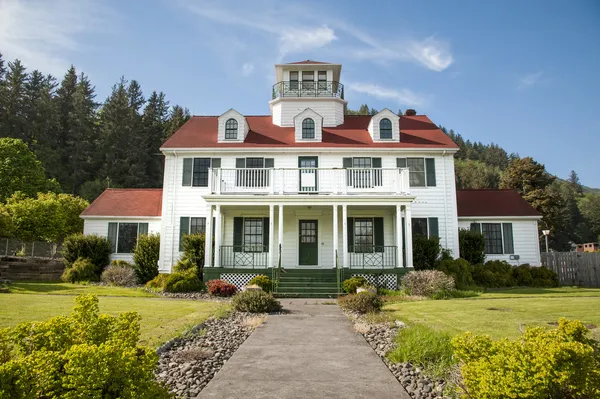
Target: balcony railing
(372, 257)
(308, 89)
(244, 256)
(309, 181)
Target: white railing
(310, 180)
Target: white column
(208, 238)
(218, 236)
(271, 233)
(280, 230)
(408, 231)
(335, 234)
(345, 233)
(399, 236)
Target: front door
(308, 245)
(308, 174)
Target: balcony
(308, 89)
(292, 181)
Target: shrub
(426, 282)
(521, 275)
(95, 248)
(255, 302)
(459, 269)
(365, 302)
(543, 277)
(158, 282)
(472, 246)
(350, 285)
(560, 363)
(220, 288)
(120, 262)
(455, 294)
(263, 282)
(85, 355)
(493, 274)
(122, 276)
(426, 252)
(145, 257)
(426, 347)
(193, 249)
(183, 282)
(81, 270)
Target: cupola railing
(308, 89)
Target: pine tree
(14, 121)
(177, 117)
(154, 122)
(65, 106)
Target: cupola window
(308, 128)
(231, 129)
(385, 129)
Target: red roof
(307, 62)
(492, 202)
(127, 202)
(415, 132)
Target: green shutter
(269, 163)
(240, 163)
(507, 233)
(347, 163)
(434, 230)
(215, 163)
(350, 226)
(430, 171)
(401, 162)
(476, 227)
(238, 234)
(112, 237)
(184, 229)
(187, 172)
(378, 234)
(266, 233)
(142, 229)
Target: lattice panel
(238, 279)
(389, 281)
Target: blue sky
(523, 74)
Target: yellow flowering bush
(559, 363)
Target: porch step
(308, 283)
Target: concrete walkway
(312, 352)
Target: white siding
(285, 109)
(100, 227)
(525, 239)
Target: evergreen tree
(65, 107)
(177, 117)
(154, 124)
(14, 121)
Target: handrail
(308, 89)
(244, 256)
(372, 256)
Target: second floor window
(422, 171)
(385, 129)
(231, 129)
(195, 171)
(256, 175)
(308, 128)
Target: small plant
(426, 252)
(472, 246)
(427, 282)
(183, 282)
(264, 282)
(145, 257)
(364, 302)
(158, 282)
(81, 270)
(220, 288)
(350, 285)
(119, 275)
(95, 248)
(255, 302)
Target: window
(195, 170)
(308, 128)
(294, 80)
(123, 236)
(422, 171)
(322, 77)
(498, 237)
(197, 225)
(385, 129)
(231, 129)
(426, 227)
(250, 234)
(364, 173)
(365, 234)
(308, 80)
(253, 178)
(193, 225)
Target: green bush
(471, 245)
(81, 270)
(120, 262)
(263, 282)
(158, 282)
(423, 346)
(85, 355)
(193, 246)
(95, 248)
(364, 302)
(122, 276)
(350, 285)
(455, 294)
(543, 277)
(459, 269)
(183, 282)
(521, 275)
(493, 274)
(145, 257)
(426, 282)
(560, 363)
(255, 302)
(426, 252)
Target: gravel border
(382, 338)
(186, 364)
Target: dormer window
(385, 129)
(308, 128)
(231, 129)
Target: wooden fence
(574, 268)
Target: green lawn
(162, 318)
(503, 313)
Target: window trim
(503, 244)
(229, 130)
(257, 248)
(426, 225)
(365, 248)
(390, 129)
(117, 236)
(425, 171)
(308, 130)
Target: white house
(308, 189)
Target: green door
(308, 247)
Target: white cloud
(431, 53)
(298, 40)
(401, 96)
(247, 69)
(529, 80)
(42, 33)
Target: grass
(162, 318)
(503, 313)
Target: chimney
(410, 112)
